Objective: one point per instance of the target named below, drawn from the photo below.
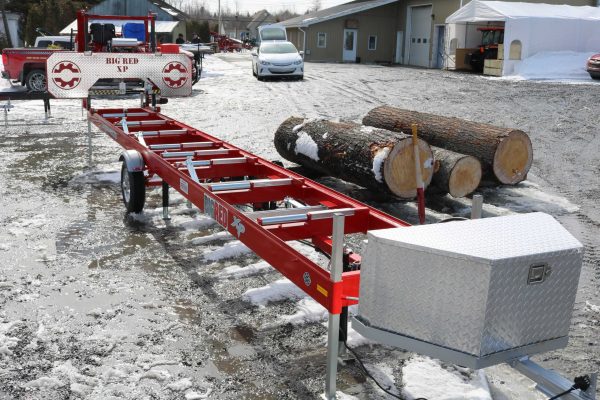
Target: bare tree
(316, 5)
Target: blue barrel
(134, 31)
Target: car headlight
(264, 63)
(298, 62)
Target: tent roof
(334, 12)
(483, 11)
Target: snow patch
(554, 66)
(4, 247)
(308, 310)
(378, 161)
(156, 374)
(7, 343)
(306, 145)
(99, 176)
(424, 377)
(197, 396)
(235, 271)
(281, 289)
(367, 129)
(45, 382)
(223, 235)
(592, 307)
(180, 385)
(230, 250)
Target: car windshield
(278, 48)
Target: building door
(420, 36)
(399, 41)
(349, 46)
(439, 45)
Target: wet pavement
(97, 304)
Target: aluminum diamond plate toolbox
(475, 292)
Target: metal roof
(334, 12)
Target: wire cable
(366, 372)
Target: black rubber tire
(595, 75)
(253, 72)
(32, 80)
(133, 189)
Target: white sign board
(71, 75)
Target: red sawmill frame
(216, 160)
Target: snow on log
(457, 174)
(372, 158)
(507, 151)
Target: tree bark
(507, 152)
(369, 157)
(457, 174)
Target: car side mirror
(301, 52)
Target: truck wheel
(36, 80)
(133, 189)
(595, 75)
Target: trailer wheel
(36, 80)
(133, 189)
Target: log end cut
(465, 177)
(399, 168)
(513, 158)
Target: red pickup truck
(27, 66)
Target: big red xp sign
(71, 75)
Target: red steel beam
(268, 242)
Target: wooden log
(456, 174)
(507, 152)
(369, 157)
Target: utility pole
(220, 22)
(5, 21)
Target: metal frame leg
(550, 383)
(165, 201)
(477, 206)
(333, 333)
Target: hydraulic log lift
(222, 180)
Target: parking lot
(95, 304)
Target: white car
(277, 58)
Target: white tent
(530, 28)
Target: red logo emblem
(175, 74)
(66, 75)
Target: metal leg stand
(165, 200)
(550, 383)
(477, 206)
(89, 132)
(6, 114)
(333, 334)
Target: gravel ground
(95, 304)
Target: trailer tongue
(418, 290)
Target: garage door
(420, 36)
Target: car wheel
(301, 77)
(595, 75)
(36, 80)
(253, 72)
(133, 189)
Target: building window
(322, 40)
(515, 50)
(372, 42)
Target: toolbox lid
(486, 239)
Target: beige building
(408, 32)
